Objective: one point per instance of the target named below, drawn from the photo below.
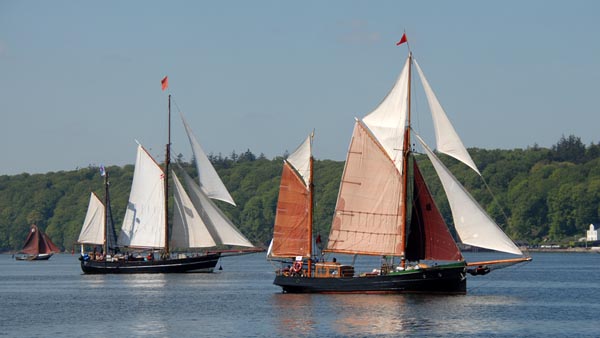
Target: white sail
(473, 224)
(209, 180)
(220, 227)
(144, 221)
(189, 231)
(92, 231)
(270, 250)
(300, 159)
(447, 140)
(387, 122)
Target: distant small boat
(37, 247)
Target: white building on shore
(592, 234)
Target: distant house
(592, 234)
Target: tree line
(536, 194)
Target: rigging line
(415, 103)
(176, 105)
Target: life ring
(297, 267)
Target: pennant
(402, 40)
(164, 83)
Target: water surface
(556, 295)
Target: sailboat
(37, 247)
(385, 209)
(197, 222)
(98, 226)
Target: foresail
(48, 246)
(220, 227)
(144, 221)
(447, 139)
(428, 236)
(209, 180)
(92, 231)
(291, 236)
(473, 224)
(367, 214)
(387, 122)
(189, 231)
(300, 160)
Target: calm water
(556, 295)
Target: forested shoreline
(537, 195)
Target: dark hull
(40, 257)
(446, 280)
(204, 263)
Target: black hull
(431, 280)
(204, 263)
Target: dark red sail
(428, 234)
(38, 243)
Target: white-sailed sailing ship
(197, 222)
(384, 208)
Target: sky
(80, 80)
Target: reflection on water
(387, 315)
(370, 314)
(294, 314)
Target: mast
(405, 157)
(166, 174)
(105, 239)
(310, 213)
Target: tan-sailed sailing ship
(384, 208)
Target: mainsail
(367, 214)
(144, 221)
(292, 230)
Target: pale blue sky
(80, 80)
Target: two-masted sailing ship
(37, 247)
(197, 222)
(385, 209)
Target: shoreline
(590, 250)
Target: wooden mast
(405, 158)
(166, 174)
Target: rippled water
(556, 295)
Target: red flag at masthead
(402, 40)
(164, 82)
